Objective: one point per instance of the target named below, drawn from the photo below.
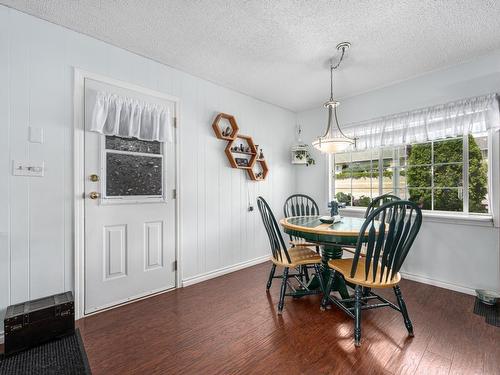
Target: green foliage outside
(343, 198)
(361, 174)
(362, 201)
(478, 178)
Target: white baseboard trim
(224, 270)
(438, 283)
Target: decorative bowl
(488, 297)
(330, 219)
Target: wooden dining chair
(301, 205)
(389, 232)
(287, 258)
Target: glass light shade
(332, 145)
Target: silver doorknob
(94, 195)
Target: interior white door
(130, 227)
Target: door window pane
(128, 174)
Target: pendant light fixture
(334, 140)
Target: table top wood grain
(348, 226)
(311, 228)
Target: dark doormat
(63, 356)
(491, 313)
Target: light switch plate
(28, 168)
(36, 135)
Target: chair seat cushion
(344, 267)
(298, 256)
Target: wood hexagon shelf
(248, 152)
(216, 125)
(259, 171)
(241, 155)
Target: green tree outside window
(448, 178)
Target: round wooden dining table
(332, 237)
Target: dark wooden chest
(31, 323)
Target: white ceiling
(277, 50)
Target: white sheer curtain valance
(126, 117)
(467, 116)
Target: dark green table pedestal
(331, 238)
(327, 253)
(333, 252)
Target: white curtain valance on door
(467, 116)
(126, 117)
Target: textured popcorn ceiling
(277, 50)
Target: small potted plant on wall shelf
(300, 152)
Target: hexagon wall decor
(240, 150)
(259, 171)
(220, 133)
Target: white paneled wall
(36, 214)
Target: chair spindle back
(300, 205)
(380, 201)
(389, 234)
(278, 247)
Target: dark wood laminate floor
(229, 325)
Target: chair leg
(327, 289)
(301, 272)
(317, 269)
(283, 291)
(404, 311)
(306, 273)
(366, 291)
(271, 275)
(358, 294)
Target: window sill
(437, 217)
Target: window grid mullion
(432, 175)
(465, 173)
(350, 172)
(371, 172)
(394, 170)
(379, 169)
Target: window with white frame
(442, 175)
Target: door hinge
(174, 194)
(174, 265)
(175, 122)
